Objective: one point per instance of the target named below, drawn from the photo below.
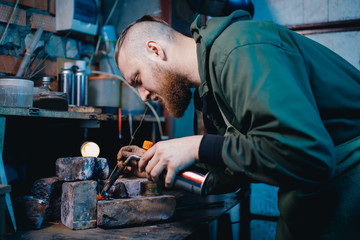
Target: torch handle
(116, 175)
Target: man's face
(174, 92)
(155, 82)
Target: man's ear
(154, 48)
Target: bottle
(48, 99)
(81, 84)
(40, 92)
(66, 81)
(46, 85)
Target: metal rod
(116, 175)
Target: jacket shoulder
(243, 33)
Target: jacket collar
(208, 31)
(204, 34)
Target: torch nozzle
(116, 175)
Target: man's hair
(145, 18)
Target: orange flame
(100, 197)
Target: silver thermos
(73, 81)
(81, 88)
(66, 81)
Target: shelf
(36, 112)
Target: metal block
(138, 210)
(117, 190)
(29, 212)
(125, 187)
(49, 190)
(82, 168)
(133, 185)
(78, 204)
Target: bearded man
(278, 108)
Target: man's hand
(173, 156)
(126, 152)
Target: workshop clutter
(73, 81)
(45, 98)
(103, 86)
(70, 197)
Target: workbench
(25, 118)
(195, 218)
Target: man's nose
(144, 94)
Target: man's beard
(175, 92)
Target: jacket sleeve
(282, 140)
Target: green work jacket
(286, 112)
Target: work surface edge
(192, 217)
(37, 112)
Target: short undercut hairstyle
(145, 18)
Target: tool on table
(104, 193)
(116, 174)
(188, 180)
(194, 182)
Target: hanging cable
(99, 37)
(111, 13)
(131, 140)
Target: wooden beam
(38, 4)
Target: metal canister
(66, 83)
(81, 88)
(195, 182)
